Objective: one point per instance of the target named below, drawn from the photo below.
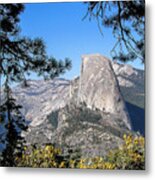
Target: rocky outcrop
(87, 130)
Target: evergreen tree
(22, 55)
(127, 20)
(14, 122)
(19, 56)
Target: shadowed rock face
(99, 89)
(131, 82)
(88, 112)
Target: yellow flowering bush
(94, 163)
(131, 155)
(45, 157)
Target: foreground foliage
(130, 155)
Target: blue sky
(65, 34)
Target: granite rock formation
(87, 113)
(99, 89)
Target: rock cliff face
(87, 113)
(99, 89)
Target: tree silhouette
(127, 20)
(19, 56)
(22, 55)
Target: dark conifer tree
(127, 20)
(19, 56)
